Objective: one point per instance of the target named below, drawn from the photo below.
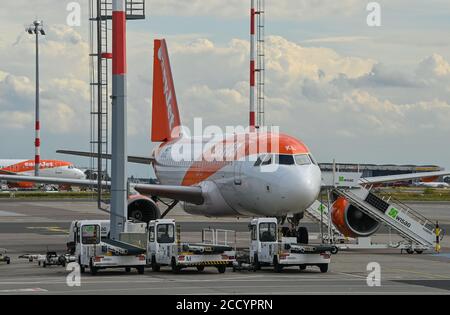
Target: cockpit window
(259, 160)
(313, 160)
(285, 159)
(267, 160)
(302, 159)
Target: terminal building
(373, 170)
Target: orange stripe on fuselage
(248, 144)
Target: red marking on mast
(119, 43)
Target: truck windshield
(166, 233)
(90, 234)
(267, 232)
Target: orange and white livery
(48, 168)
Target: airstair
(414, 228)
(318, 213)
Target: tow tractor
(267, 250)
(166, 249)
(96, 252)
(4, 257)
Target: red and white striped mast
(252, 123)
(119, 178)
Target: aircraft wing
(191, 194)
(6, 172)
(131, 159)
(399, 178)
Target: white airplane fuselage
(238, 186)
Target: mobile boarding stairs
(417, 232)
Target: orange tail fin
(165, 115)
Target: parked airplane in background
(48, 168)
(279, 179)
(432, 184)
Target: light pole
(37, 29)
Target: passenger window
(285, 160)
(151, 234)
(302, 159)
(254, 234)
(259, 160)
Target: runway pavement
(36, 226)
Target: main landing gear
(300, 232)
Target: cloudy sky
(349, 91)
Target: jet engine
(141, 208)
(351, 221)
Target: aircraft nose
(301, 187)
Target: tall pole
(37, 141)
(119, 122)
(252, 65)
(99, 105)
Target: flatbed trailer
(166, 249)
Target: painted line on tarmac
(430, 275)
(30, 290)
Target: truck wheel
(155, 266)
(93, 271)
(222, 269)
(140, 270)
(256, 264)
(276, 266)
(302, 235)
(127, 269)
(323, 268)
(419, 251)
(200, 268)
(410, 251)
(334, 250)
(302, 267)
(8, 261)
(175, 268)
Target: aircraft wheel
(302, 235)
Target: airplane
(277, 180)
(48, 168)
(432, 184)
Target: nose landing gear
(300, 232)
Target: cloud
(336, 39)
(16, 119)
(280, 9)
(433, 66)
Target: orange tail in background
(165, 114)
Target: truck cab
(264, 241)
(267, 248)
(161, 242)
(166, 249)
